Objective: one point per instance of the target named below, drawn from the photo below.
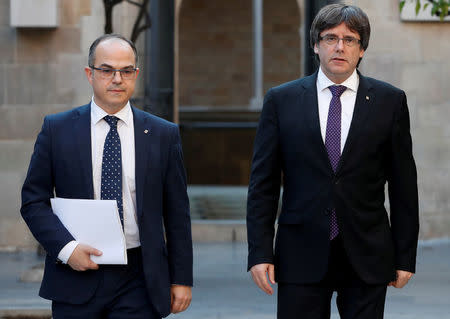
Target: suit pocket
(291, 216)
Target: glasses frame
(349, 44)
(113, 72)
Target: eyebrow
(111, 67)
(335, 35)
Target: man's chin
(339, 68)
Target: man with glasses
(336, 137)
(108, 149)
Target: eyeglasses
(107, 73)
(333, 40)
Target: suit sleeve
(264, 187)
(36, 193)
(177, 219)
(403, 195)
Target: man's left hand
(180, 298)
(402, 279)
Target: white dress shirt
(99, 130)
(348, 99)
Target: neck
(336, 78)
(110, 109)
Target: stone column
(176, 69)
(257, 99)
(160, 60)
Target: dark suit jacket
(378, 149)
(61, 164)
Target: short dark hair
(93, 47)
(332, 15)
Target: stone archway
(282, 42)
(214, 80)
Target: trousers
(121, 293)
(355, 299)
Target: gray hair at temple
(91, 57)
(333, 15)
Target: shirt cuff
(67, 251)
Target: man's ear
(89, 74)
(316, 49)
(361, 53)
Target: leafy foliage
(440, 8)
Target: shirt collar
(97, 113)
(324, 82)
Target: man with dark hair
(337, 137)
(108, 149)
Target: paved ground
(223, 289)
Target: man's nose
(117, 77)
(340, 45)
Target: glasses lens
(350, 41)
(330, 39)
(106, 73)
(127, 74)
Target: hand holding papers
(95, 223)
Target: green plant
(439, 8)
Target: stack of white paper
(95, 223)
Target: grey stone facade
(414, 57)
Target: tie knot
(111, 120)
(337, 90)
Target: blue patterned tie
(111, 186)
(333, 142)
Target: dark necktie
(333, 142)
(111, 185)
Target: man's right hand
(259, 274)
(80, 260)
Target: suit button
(327, 211)
(336, 181)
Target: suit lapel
(364, 98)
(82, 132)
(309, 99)
(141, 141)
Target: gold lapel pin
(367, 98)
(145, 131)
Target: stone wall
(414, 56)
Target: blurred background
(206, 64)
